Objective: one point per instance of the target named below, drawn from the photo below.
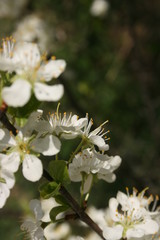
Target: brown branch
(6, 122)
(76, 208)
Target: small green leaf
(48, 190)
(56, 210)
(61, 200)
(58, 170)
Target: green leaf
(56, 210)
(58, 170)
(61, 200)
(48, 190)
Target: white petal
(135, 233)
(98, 141)
(122, 198)
(88, 183)
(4, 194)
(54, 231)
(80, 123)
(28, 56)
(32, 168)
(18, 94)
(9, 178)
(2, 134)
(149, 226)
(48, 146)
(114, 233)
(39, 234)
(28, 225)
(115, 161)
(52, 69)
(6, 139)
(47, 205)
(113, 205)
(108, 177)
(44, 92)
(32, 122)
(35, 206)
(11, 162)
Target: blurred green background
(112, 73)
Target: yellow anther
(53, 57)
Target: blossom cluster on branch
(26, 134)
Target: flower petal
(48, 93)
(11, 162)
(54, 231)
(87, 183)
(4, 194)
(18, 94)
(35, 206)
(48, 146)
(32, 168)
(149, 226)
(9, 178)
(108, 177)
(6, 139)
(27, 55)
(52, 69)
(114, 233)
(98, 141)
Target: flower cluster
(45, 136)
(129, 217)
(88, 164)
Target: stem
(6, 122)
(76, 208)
(76, 151)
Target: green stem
(76, 151)
(56, 157)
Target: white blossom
(129, 218)
(86, 164)
(32, 226)
(32, 28)
(20, 148)
(99, 8)
(32, 72)
(57, 127)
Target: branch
(6, 122)
(76, 208)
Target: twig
(6, 122)
(76, 208)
